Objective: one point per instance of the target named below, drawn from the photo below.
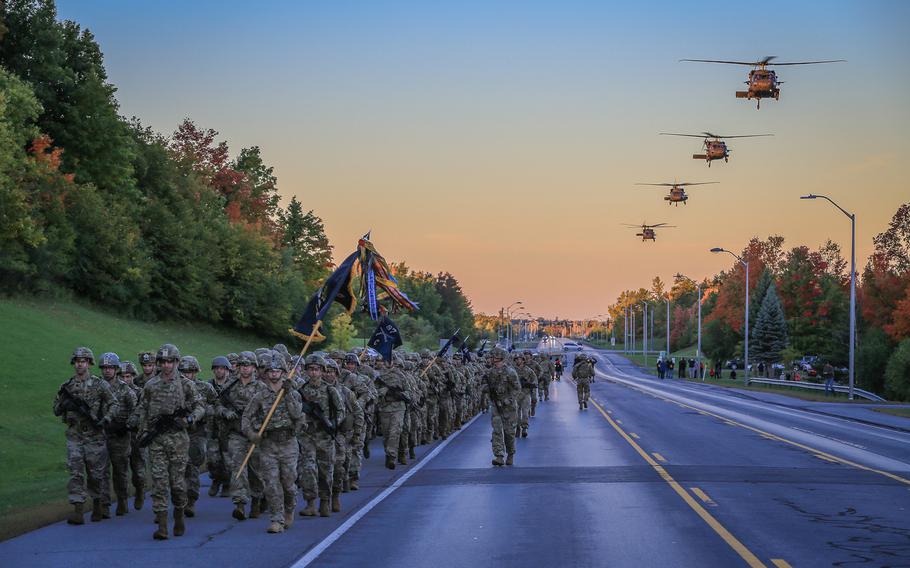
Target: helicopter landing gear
(726, 160)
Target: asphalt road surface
(654, 473)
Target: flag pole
(278, 398)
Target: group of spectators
(685, 368)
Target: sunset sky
(501, 141)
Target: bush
(897, 373)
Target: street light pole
(852, 217)
(745, 263)
(644, 332)
(667, 299)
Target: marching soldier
(349, 438)
(392, 403)
(528, 380)
(118, 435)
(86, 405)
(138, 456)
(170, 404)
(217, 456)
(583, 373)
(278, 453)
(504, 388)
(366, 398)
(198, 431)
(147, 362)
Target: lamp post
(644, 332)
(746, 265)
(852, 217)
(667, 300)
(508, 331)
(698, 348)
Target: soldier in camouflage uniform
(217, 456)
(147, 362)
(325, 411)
(432, 376)
(583, 373)
(278, 453)
(199, 431)
(528, 380)
(504, 387)
(349, 437)
(170, 404)
(118, 435)
(543, 383)
(87, 406)
(246, 486)
(365, 391)
(392, 403)
(138, 456)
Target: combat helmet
(221, 361)
(315, 359)
(246, 358)
(333, 365)
(352, 358)
(498, 353)
(109, 360)
(127, 368)
(83, 353)
(146, 358)
(277, 361)
(188, 364)
(232, 359)
(168, 352)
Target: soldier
(392, 403)
(278, 442)
(528, 380)
(432, 376)
(118, 435)
(147, 362)
(349, 438)
(138, 456)
(169, 405)
(503, 386)
(325, 410)
(217, 456)
(544, 382)
(366, 397)
(245, 484)
(87, 406)
(583, 373)
(198, 431)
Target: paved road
(656, 474)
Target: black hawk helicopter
(714, 149)
(647, 231)
(677, 193)
(763, 83)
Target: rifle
(492, 397)
(227, 402)
(76, 404)
(316, 412)
(160, 425)
(397, 391)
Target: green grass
(902, 412)
(38, 339)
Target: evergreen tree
(757, 295)
(769, 336)
(303, 238)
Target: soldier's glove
(182, 422)
(254, 437)
(229, 415)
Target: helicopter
(763, 83)
(677, 193)
(714, 149)
(647, 231)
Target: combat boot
(411, 453)
(213, 488)
(581, 406)
(96, 510)
(179, 526)
(389, 462)
(255, 508)
(225, 490)
(366, 451)
(324, 507)
(77, 516)
(190, 509)
(139, 501)
(355, 483)
(510, 459)
(275, 528)
(122, 507)
(524, 431)
(402, 458)
(346, 486)
(336, 503)
(161, 533)
(239, 513)
(586, 405)
(310, 510)
(105, 511)
(288, 517)
(497, 461)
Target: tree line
(155, 226)
(799, 304)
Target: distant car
(571, 346)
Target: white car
(571, 346)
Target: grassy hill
(38, 339)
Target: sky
(502, 141)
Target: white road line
(317, 550)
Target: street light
(697, 349)
(745, 263)
(852, 218)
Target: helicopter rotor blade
(810, 62)
(659, 184)
(746, 136)
(675, 134)
(686, 184)
(750, 63)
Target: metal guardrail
(818, 387)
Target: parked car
(571, 346)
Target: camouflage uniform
(504, 387)
(392, 389)
(217, 456)
(162, 397)
(138, 456)
(528, 380)
(145, 358)
(118, 439)
(543, 383)
(278, 454)
(86, 446)
(199, 432)
(348, 440)
(317, 445)
(363, 389)
(583, 373)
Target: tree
(897, 373)
(340, 331)
(757, 295)
(719, 341)
(769, 336)
(872, 359)
(303, 237)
